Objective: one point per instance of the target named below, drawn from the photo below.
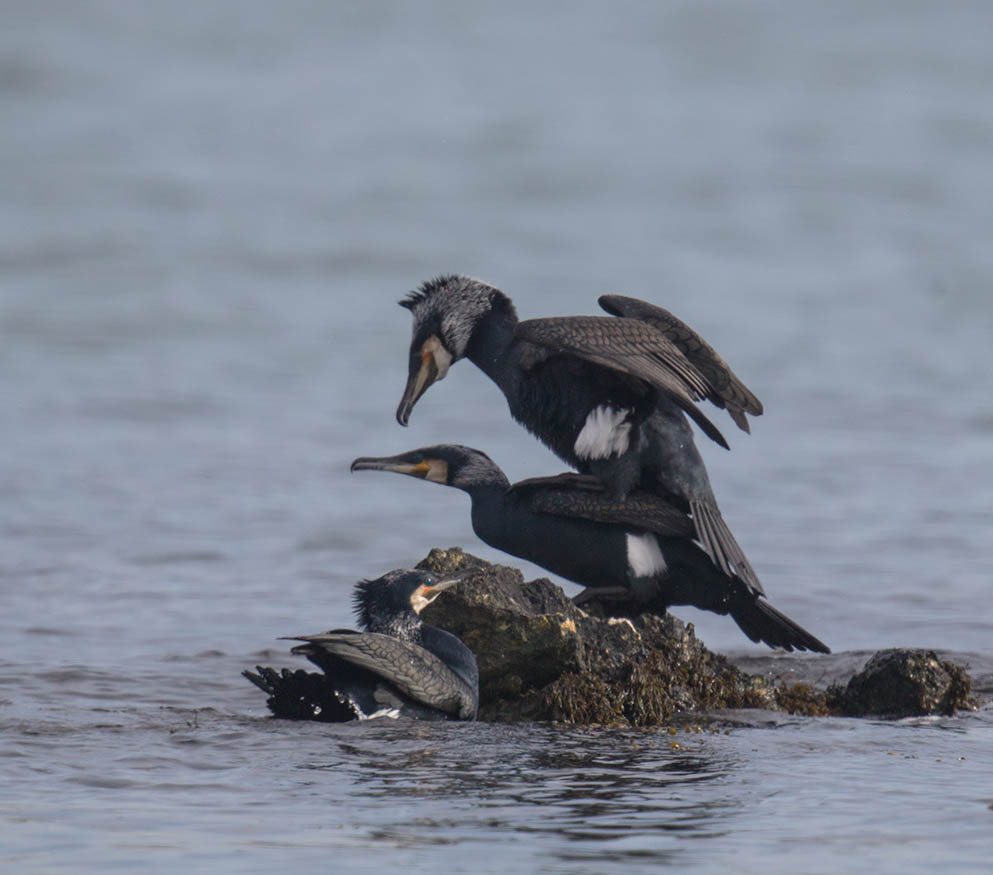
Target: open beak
(427, 594)
(449, 582)
(417, 384)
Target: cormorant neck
(488, 509)
(403, 624)
(490, 343)
(493, 482)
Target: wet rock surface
(542, 658)
(904, 683)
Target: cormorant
(398, 666)
(638, 547)
(605, 394)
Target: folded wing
(581, 496)
(414, 671)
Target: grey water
(207, 215)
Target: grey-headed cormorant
(637, 547)
(606, 394)
(397, 666)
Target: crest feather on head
(368, 593)
(428, 288)
(455, 304)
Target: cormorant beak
(424, 468)
(427, 368)
(424, 594)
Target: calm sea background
(207, 214)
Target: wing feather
(632, 347)
(414, 671)
(580, 496)
(727, 390)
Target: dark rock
(903, 683)
(542, 658)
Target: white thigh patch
(392, 713)
(644, 556)
(605, 433)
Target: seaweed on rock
(542, 658)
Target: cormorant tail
(299, 695)
(721, 546)
(760, 621)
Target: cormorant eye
(417, 458)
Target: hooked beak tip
(366, 463)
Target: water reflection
(602, 791)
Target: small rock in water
(904, 683)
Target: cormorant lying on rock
(607, 395)
(638, 547)
(398, 666)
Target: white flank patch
(392, 713)
(644, 556)
(604, 434)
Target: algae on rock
(542, 658)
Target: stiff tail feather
(299, 695)
(760, 621)
(721, 545)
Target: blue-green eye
(417, 458)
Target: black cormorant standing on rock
(605, 394)
(639, 547)
(398, 666)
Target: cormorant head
(446, 311)
(382, 603)
(448, 464)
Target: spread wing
(629, 346)
(414, 671)
(726, 390)
(583, 497)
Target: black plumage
(397, 666)
(725, 390)
(636, 548)
(607, 394)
